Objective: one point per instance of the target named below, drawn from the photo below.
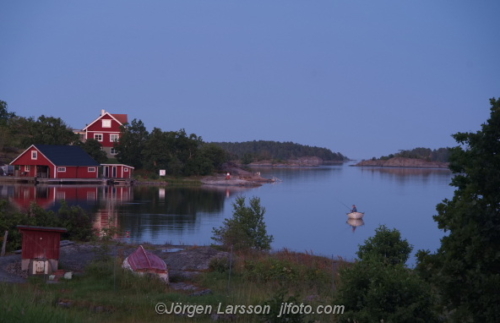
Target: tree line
(439, 155)
(174, 151)
(250, 151)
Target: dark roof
(67, 155)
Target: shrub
(246, 229)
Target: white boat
(355, 215)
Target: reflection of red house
(117, 171)
(47, 196)
(51, 161)
(106, 130)
(106, 218)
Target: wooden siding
(40, 243)
(97, 128)
(43, 167)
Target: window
(106, 123)
(114, 137)
(91, 170)
(113, 151)
(27, 168)
(98, 136)
(34, 154)
(61, 169)
(125, 170)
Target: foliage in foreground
(466, 268)
(73, 218)
(107, 293)
(246, 229)
(380, 286)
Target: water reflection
(128, 212)
(405, 175)
(354, 223)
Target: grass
(106, 293)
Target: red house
(106, 130)
(51, 161)
(41, 246)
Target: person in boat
(354, 209)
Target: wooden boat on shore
(355, 215)
(144, 262)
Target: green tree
(380, 288)
(466, 268)
(156, 151)
(131, 144)
(47, 131)
(5, 115)
(215, 154)
(246, 229)
(386, 246)
(94, 149)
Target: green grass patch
(108, 293)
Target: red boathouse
(52, 161)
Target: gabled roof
(120, 118)
(64, 155)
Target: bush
(246, 230)
(380, 287)
(74, 219)
(387, 246)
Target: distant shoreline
(401, 162)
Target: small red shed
(41, 246)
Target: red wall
(25, 159)
(40, 244)
(96, 127)
(71, 171)
(78, 172)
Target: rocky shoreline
(183, 262)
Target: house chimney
(103, 112)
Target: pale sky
(363, 78)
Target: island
(403, 162)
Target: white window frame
(27, 168)
(61, 169)
(113, 151)
(106, 123)
(125, 169)
(91, 169)
(34, 154)
(99, 137)
(114, 137)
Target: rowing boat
(355, 215)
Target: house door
(114, 171)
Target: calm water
(306, 211)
